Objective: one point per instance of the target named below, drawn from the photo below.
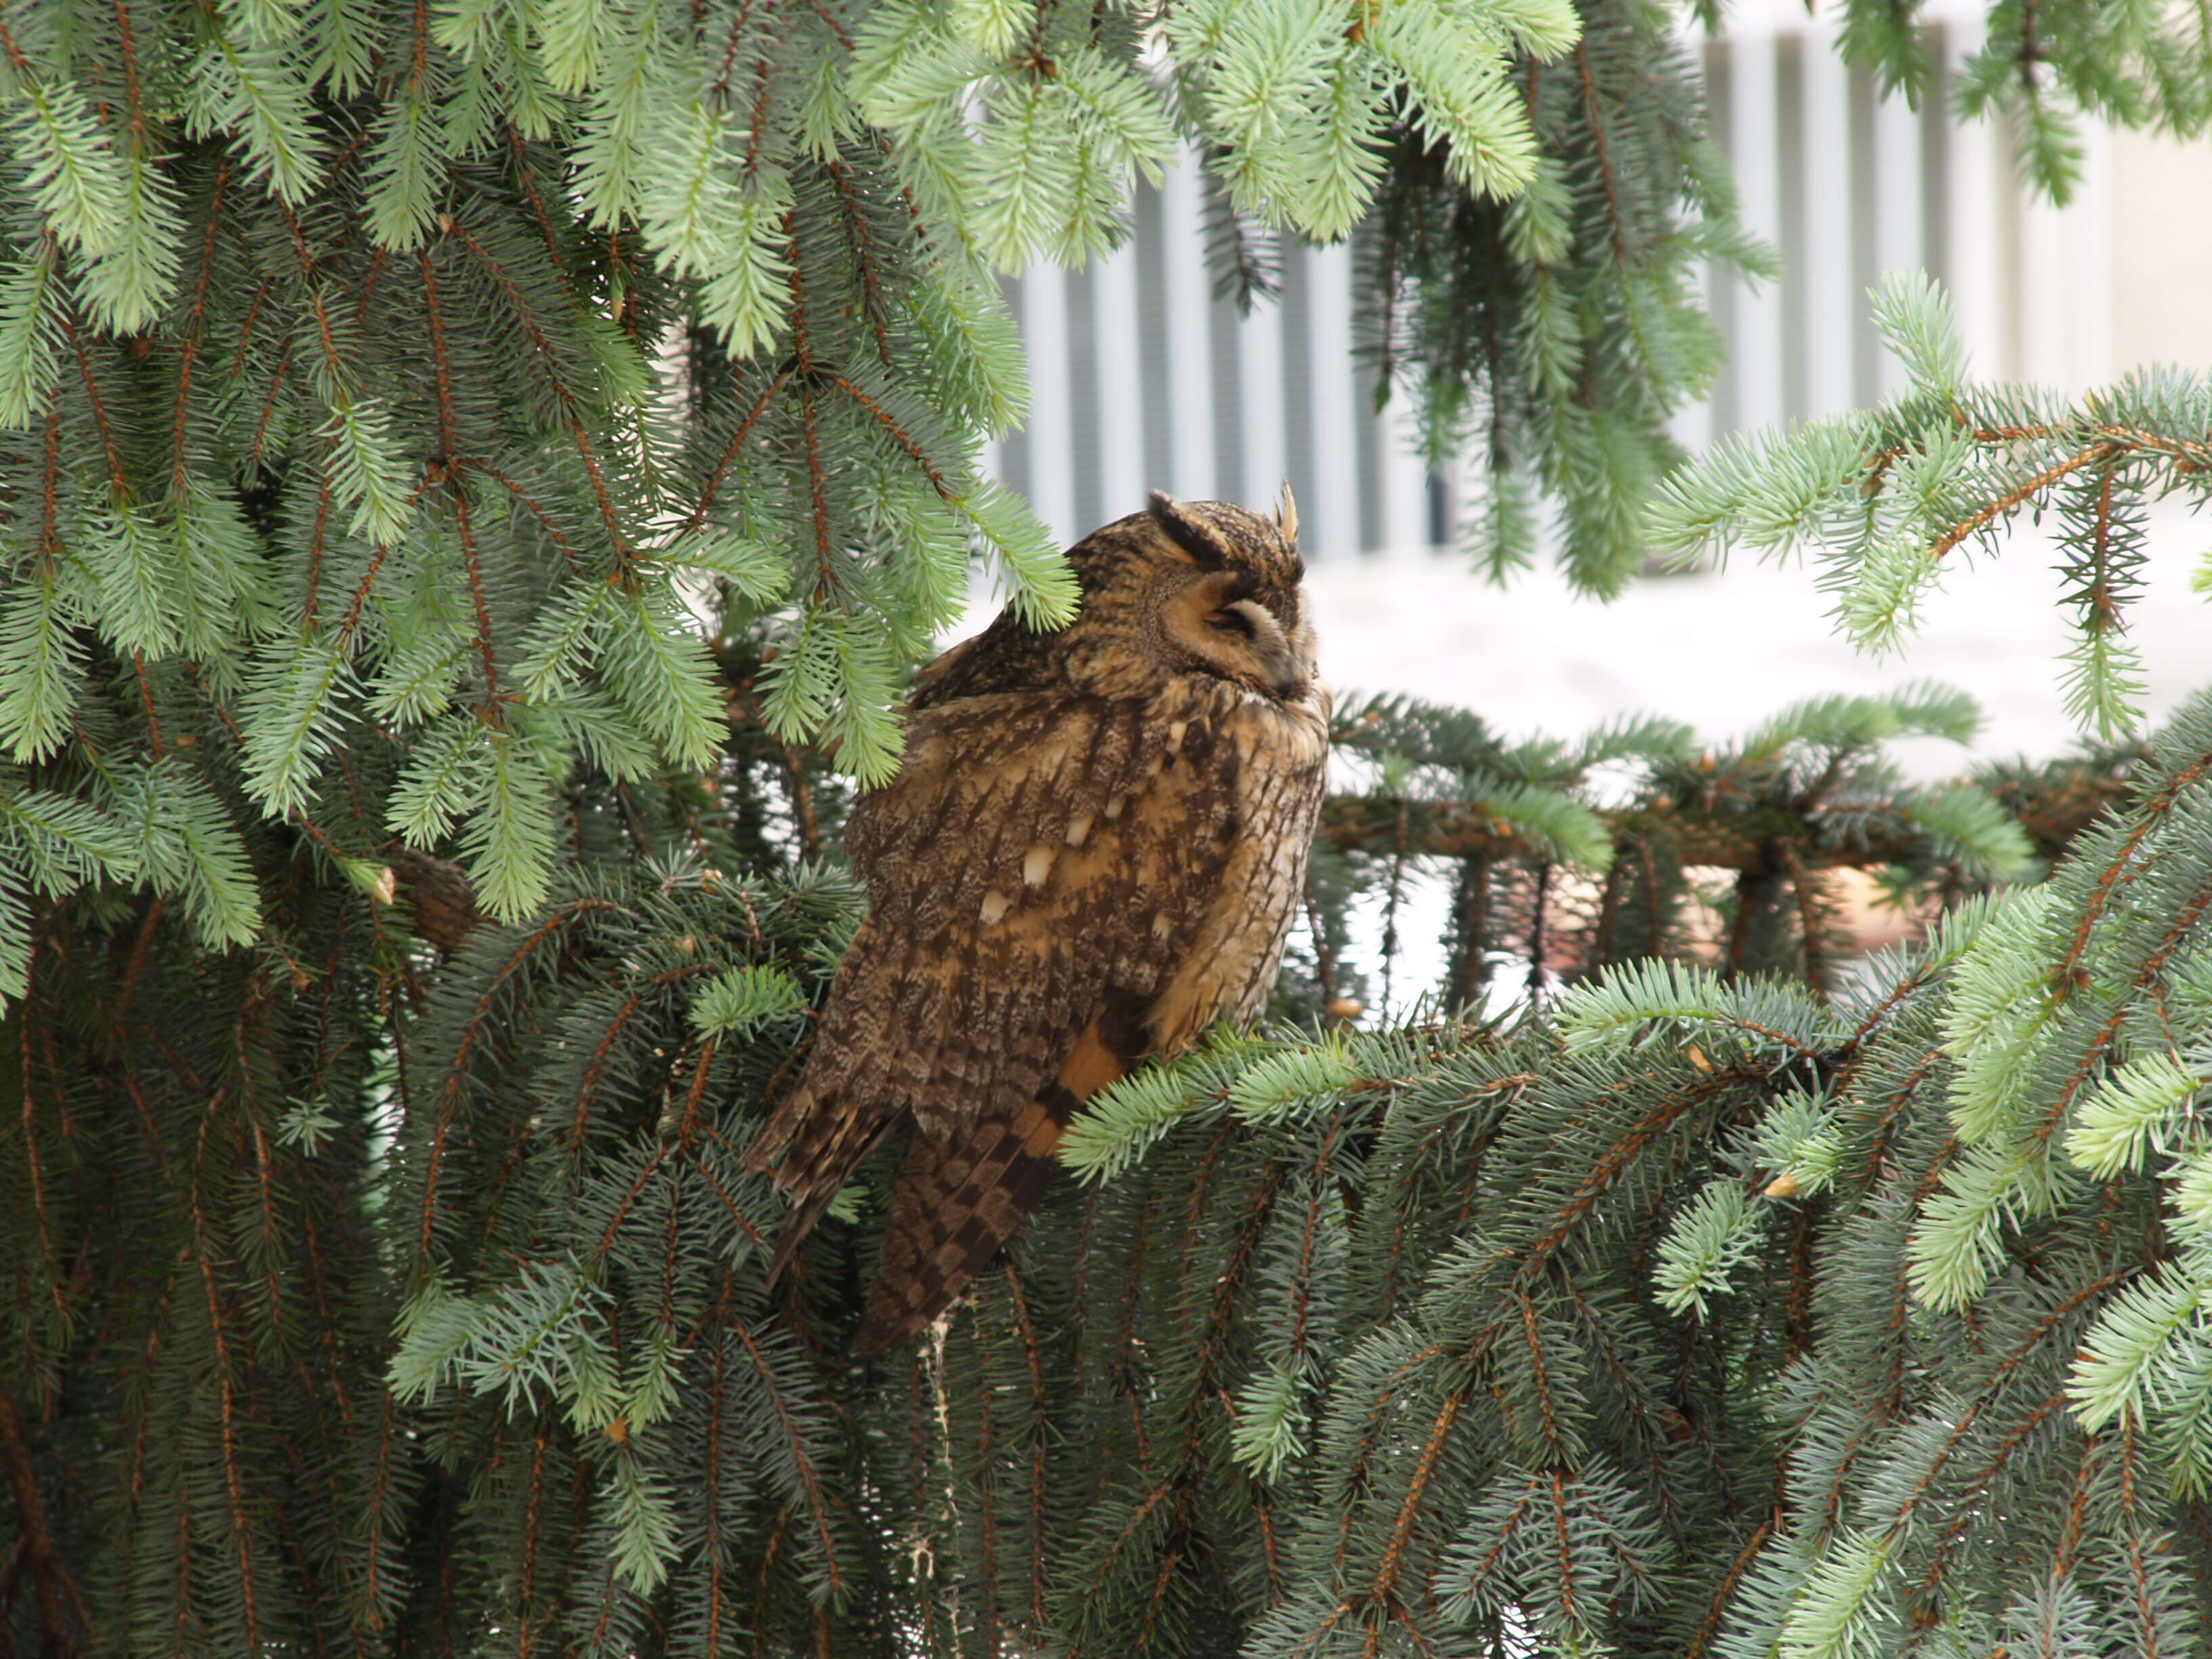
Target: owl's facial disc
(1216, 624)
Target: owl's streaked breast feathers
(1091, 851)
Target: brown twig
(62, 1614)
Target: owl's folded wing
(1038, 858)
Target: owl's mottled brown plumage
(1091, 852)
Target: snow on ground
(1723, 650)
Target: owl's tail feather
(952, 1205)
(819, 1150)
(955, 1200)
(798, 1220)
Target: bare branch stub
(441, 903)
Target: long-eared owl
(1092, 852)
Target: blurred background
(1144, 378)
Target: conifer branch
(402, 1290)
(1714, 837)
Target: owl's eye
(1231, 622)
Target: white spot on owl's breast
(1176, 729)
(1163, 925)
(1113, 808)
(995, 906)
(1036, 865)
(1078, 828)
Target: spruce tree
(476, 479)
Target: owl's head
(1182, 588)
(1209, 588)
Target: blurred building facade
(1142, 379)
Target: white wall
(1847, 185)
(2159, 242)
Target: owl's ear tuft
(1286, 515)
(1187, 530)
